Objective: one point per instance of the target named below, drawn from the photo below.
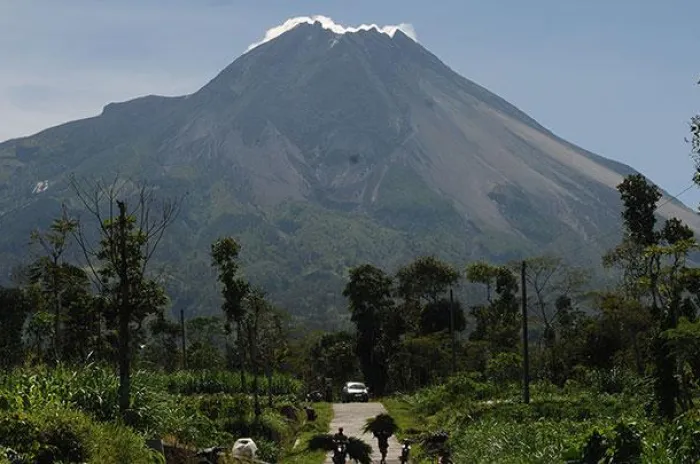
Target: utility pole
(182, 334)
(452, 332)
(526, 355)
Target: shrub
(683, 438)
(210, 382)
(62, 441)
(222, 406)
(504, 368)
(268, 451)
(460, 389)
(622, 443)
(56, 434)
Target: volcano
(319, 150)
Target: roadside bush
(289, 412)
(211, 382)
(458, 390)
(55, 434)
(611, 381)
(56, 413)
(683, 438)
(220, 406)
(620, 443)
(268, 451)
(504, 368)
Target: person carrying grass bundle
(382, 427)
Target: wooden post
(526, 355)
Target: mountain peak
(325, 22)
(328, 147)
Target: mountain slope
(320, 151)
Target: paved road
(352, 417)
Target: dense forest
(544, 368)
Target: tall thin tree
(131, 224)
(224, 253)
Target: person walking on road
(340, 436)
(383, 443)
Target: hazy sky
(616, 77)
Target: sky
(617, 78)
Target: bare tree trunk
(124, 316)
(57, 314)
(269, 385)
(254, 365)
(241, 353)
(256, 396)
(637, 355)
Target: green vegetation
(92, 367)
(73, 413)
(300, 453)
(616, 382)
(488, 422)
(77, 332)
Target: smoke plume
(328, 23)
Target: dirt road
(352, 417)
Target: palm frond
(382, 423)
(359, 451)
(322, 441)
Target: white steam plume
(328, 23)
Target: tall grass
(489, 423)
(198, 382)
(193, 409)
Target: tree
(52, 273)
(423, 285)
(15, 308)
(695, 144)
(206, 342)
(39, 333)
(128, 239)
(553, 288)
(262, 336)
(162, 348)
(639, 205)
(373, 313)
(483, 273)
(333, 356)
(627, 322)
(435, 317)
(497, 321)
(224, 253)
(685, 345)
(427, 279)
(655, 273)
(419, 361)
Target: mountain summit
(320, 150)
(328, 23)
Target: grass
(488, 423)
(72, 411)
(300, 454)
(410, 424)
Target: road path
(352, 417)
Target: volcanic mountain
(320, 150)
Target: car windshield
(356, 385)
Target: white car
(354, 391)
